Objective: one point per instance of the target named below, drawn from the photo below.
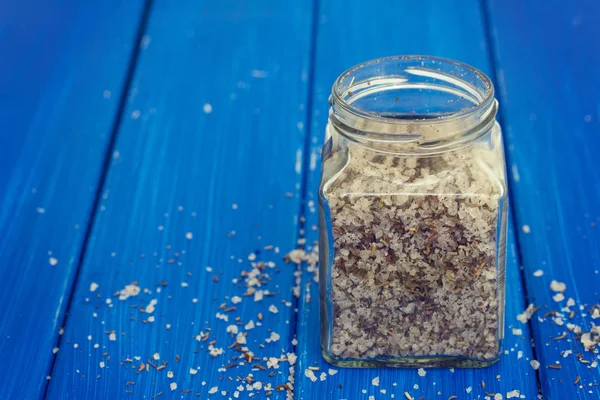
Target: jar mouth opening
(412, 99)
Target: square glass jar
(412, 217)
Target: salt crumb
(514, 393)
(273, 309)
(112, 337)
(150, 307)
(517, 331)
(233, 329)
(323, 376)
(93, 286)
(128, 291)
(101, 364)
(53, 261)
(538, 273)
(519, 354)
(207, 108)
(170, 374)
(526, 315)
(421, 372)
(236, 299)
(193, 371)
(526, 229)
(189, 235)
(535, 364)
(273, 338)
(156, 356)
(173, 386)
(375, 381)
(55, 350)
(556, 286)
(468, 390)
(310, 375)
(558, 297)
(135, 114)
(240, 338)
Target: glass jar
(412, 217)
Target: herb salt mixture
(414, 273)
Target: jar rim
(436, 73)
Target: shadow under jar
(412, 217)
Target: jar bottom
(410, 362)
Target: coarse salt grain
(112, 337)
(538, 273)
(421, 372)
(101, 364)
(273, 338)
(173, 386)
(52, 261)
(150, 307)
(233, 329)
(556, 286)
(526, 229)
(273, 309)
(526, 315)
(310, 375)
(517, 331)
(189, 235)
(193, 371)
(535, 364)
(558, 297)
(513, 394)
(236, 299)
(207, 108)
(93, 286)
(375, 381)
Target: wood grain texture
(546, 55)
(345, 38)
(60, 61)
(211, 143)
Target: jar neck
(413, 105)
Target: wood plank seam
(306, 151)
(134, 57)
(492, 56)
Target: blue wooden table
(159, 160)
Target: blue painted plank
(344, 38)
(63, 67)
(208, 172)
(546, 55)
